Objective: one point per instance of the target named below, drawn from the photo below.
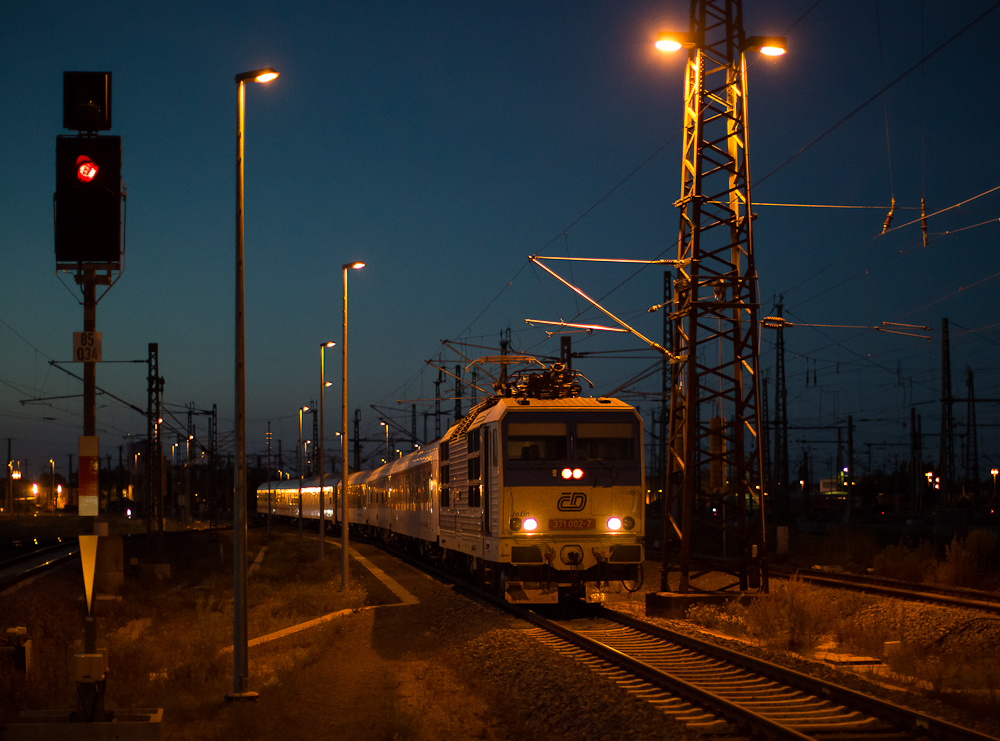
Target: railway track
(720, 691)
(930, 593)
(713, 689)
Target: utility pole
(9, 506)
(665, 395)
(437, 404)
(458, 392)
(915, 458)
(715, 377)
(946, 456)
(850, 465)
(153, 475)
(971, 449)
(357, 441)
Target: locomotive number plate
(572, 523)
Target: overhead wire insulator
(775, 322)
(888, 218)
(923, 221)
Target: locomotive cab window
(536, 441)
(605, 441)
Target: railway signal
(88, 199)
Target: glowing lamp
(614, 523)
(674, 41)
(530, 524)
(86, 170)
(770, 46)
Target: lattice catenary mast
(715, 456)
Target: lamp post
(52, 490)
(388, 458)
(994, 471)
(301, 450)
(322, 463)
(344, 541)
(241, 671)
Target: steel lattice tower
(781, 485)
(714, 400)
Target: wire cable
(850, 115)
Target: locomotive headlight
(629, 523)
(567, 473)
(577, 473)
(614, 523)
(530, 524)
(515, 523)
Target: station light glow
(668, 44)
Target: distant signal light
(86, 170)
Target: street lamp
(241, 671)
(301, 447)
(322, 464)
(386, 426)
(52, 490)
(344, 541)
(994, 472)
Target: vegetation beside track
(943, 652)
(167, 639)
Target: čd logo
(572, 502)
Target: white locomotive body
(536, 497)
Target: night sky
(443, 143)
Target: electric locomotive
(537, 492)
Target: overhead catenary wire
(862, 106)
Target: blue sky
(443, 143)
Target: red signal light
(86, 170)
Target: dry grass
(798, 617)
(166, 639)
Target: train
(537, 492)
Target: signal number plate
(87, 347)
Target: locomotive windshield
(536, 441)
(599, 438)
(604, 441)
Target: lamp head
(353, 265)
(769, 46)
(329, 344)
(674, 41)
(258, 75)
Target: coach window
(605, 441)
